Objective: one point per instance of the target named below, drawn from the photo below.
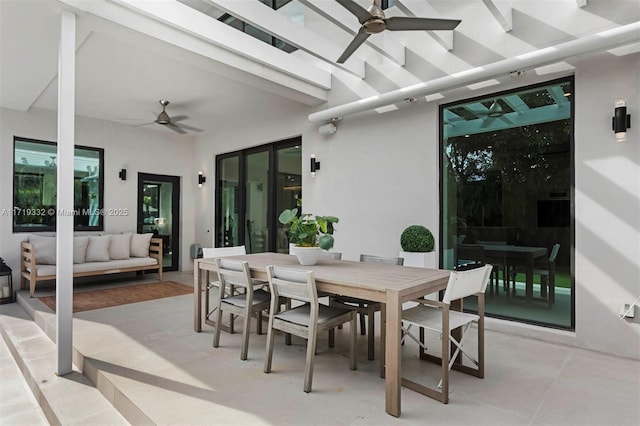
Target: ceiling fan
(494, 111)
(374, 21)
(171, 122)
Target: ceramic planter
(307, 255)
(418, 259)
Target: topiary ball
(417, 238)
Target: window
(507, 193)
(35, 186)
(252, 187)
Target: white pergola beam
(184, 27)
(601, 41)
(502, 12)
(270, 21)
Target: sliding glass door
(252, 187)
(507, 198)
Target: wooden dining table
(515, 255)
(390, 285)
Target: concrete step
(68, 399)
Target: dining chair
(438, 317)
(213, 252)
(306, 320)
(469, 254)
(500, 264)
(252, 301)
(364, 307)
(546, 269)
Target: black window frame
(18, 228)
(242, 154)
(571, 195)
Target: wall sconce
(201, 179)
(327, 129)
(621, 121)
(122, 174)
(315, 165)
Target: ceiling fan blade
(143, 124)
(355, 43)
(360, 12)
(405, 23)
(187, 127)
(175, 128)
(178, 118)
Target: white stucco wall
(136, 149)
(380, 173)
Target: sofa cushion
(45, 248)
(120, 246)
(111, 266)
(140, 245)
(98, 248)
(80, 245)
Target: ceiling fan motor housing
(374, 26)
(163, 118)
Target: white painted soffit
(601, 41)
(270, 21)
(182, 26)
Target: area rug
(97, 299)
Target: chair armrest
(27, 256)
(429, 302)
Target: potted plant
(417, 244)
(309, 233)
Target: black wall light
(315, 165)
(122, 174)
(621, 121)
(201, 179)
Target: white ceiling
(131, 53)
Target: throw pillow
(98, 248)
(140, 245)
(45, 249)
(80, 249)
(120, 246)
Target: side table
(6, 290)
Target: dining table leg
(197, 296)
(529, 275)
(393, 370)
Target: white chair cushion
(45, 249)
(140, 245)
(98, 248)
(120, 246)
(80, 245)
